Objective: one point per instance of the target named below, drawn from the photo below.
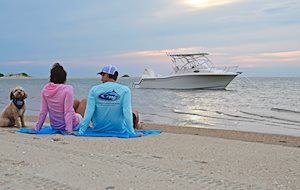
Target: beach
(213, 84)
(178, 158)
(266, 105)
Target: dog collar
(19, 103)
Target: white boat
(191, 71)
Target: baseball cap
(109, 69)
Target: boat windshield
(191, 61)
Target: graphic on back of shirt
(109, 96)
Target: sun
(206, 3)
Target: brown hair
(57, 74)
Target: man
(108, 105)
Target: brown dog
(15, 110)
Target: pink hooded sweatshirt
(57, 99)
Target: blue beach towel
(46, 130)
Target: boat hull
(211, 81)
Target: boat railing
(230, 69)
(136, 84)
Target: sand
(179, 158)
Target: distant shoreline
(70, 78)
(43, 77)
(15, 77)
(23, 77)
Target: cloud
(135, 34)
(27, 63)
(288, 54)
(222, 56)
(20, 62)
(150, 53)
(268, 59)
(279, 7)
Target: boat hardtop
(197, 63)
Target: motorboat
(190, 71)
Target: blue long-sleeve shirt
(109, 109)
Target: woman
(57, 100)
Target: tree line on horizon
(26, 75)
(17, 74)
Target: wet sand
(179, 158)
(220, 133)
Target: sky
(262, 38)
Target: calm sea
(268, 105)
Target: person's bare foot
(139, 126)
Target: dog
(15, 109)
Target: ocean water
(257, 104)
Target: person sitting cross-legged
(108, 106)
